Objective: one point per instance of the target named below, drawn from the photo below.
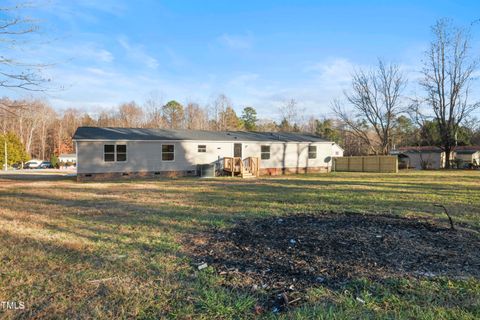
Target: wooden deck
(246, 168)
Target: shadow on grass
(149, 222)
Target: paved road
(38, 174)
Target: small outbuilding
(432, 157)
(421, 157)
(67, 158)
(468, 155)
(105, 153)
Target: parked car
(45, 165)
(17, 166)
(32, 164)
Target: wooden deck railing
(233, 165)
(237, 165)
(253, 165)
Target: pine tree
(249, 118)
(15, 150)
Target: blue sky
(258, 53)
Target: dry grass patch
(114, 250)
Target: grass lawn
(114, 250)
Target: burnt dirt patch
(279, 254)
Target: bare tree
(153, 107)
(221, 103)
(28, 121)
(15, 34)
(230, 119)
(130, 115)
(376, 102)
(196, 118)
(447, 76)
(291, 115)
(46, 117)
(266, 125)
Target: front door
(237, 150)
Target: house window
(312, 152)
(121, 152)
(112, 152)
(109, 152)
(168, 152)
(265, 152)
(202, 148)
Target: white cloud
(137, 53)
(105, 85)
(113, 7)
(236, 41)
(99, 72)
(92, 88)
(314, 88)
(175, 58)
(81, 10)
(104, 55)
(86, 51)
(337, 71)
(243, 79)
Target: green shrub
(54, 161)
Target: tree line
(41, 131)
(37, 128)
(374, 115)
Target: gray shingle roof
(95, 133)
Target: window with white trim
(202, 148)
(265, 152)
(109, 153)
(312, 152)
(168, 152)
(115, 152)
(121, 152)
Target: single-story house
(421, 157)
(468, 154)
(431, 157)
(104, 153)
(67, 157)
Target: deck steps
(247, 168)
(248, 175)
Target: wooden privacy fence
(367, 164)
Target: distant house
(431, 157)
(421, 157)
(128, 152)
(468, 154)
(67, 157)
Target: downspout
(5, 152)
(76, 156)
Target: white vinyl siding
(147, 155)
